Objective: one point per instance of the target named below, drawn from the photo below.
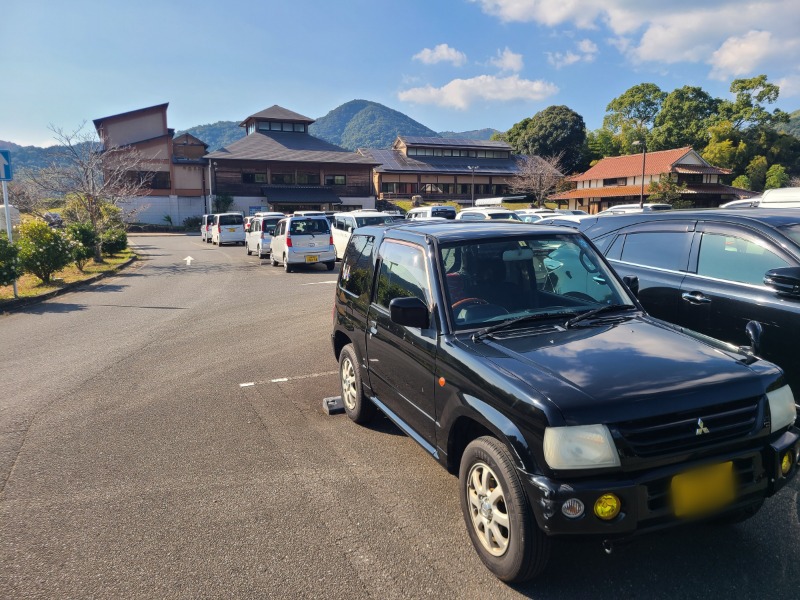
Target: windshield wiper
(593, 313)
(479, 335)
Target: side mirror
(632, 281)
(785, 281)
(409, 312)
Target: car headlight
(580, 447)
(781, 408)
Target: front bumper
(645, 496)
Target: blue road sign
(5, 165)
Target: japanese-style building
(618, 180)
(439, 169)
(279, 166)
(173, 169)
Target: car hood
(621, 368)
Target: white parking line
(319, 282)
(285, 379)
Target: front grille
(691, 429)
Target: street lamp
(643, 144)
(472, 168)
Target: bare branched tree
(538, 177)
(96, 181)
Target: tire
(360, 409)
(247, 247)
(497, 513)
(330, 265)
(272, 260)
(286, 266)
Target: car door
(658, 254)
(726, 290)
(279, 241)
(402, 359)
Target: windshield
(489, 282)
(377, 220)
(309, 226)
(509, 216)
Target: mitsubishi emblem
(701, 428)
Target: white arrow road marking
(188, 260)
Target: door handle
(695, 298)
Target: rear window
(447, 213)
(231, 220)
(309, 226)
(364, 221)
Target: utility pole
(472, 168)
(643, 143)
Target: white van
(228, 228)
(779, 198)
(344, 223)
(426, 212)
(302, 241)
(258, 238)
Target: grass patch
(29, 286)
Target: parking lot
(162, 435)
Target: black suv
(714, 271)
(516, 357)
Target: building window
(300, 127)
(614, 181)
(335, 180)
(308, 178)
(254, 178)
(283, 178)
(690, 178)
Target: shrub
(10, 268)
(222, 203)
(43, 250)
(84, 238)
(192, 222)
(115, 240)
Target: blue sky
(450, 64)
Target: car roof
(361, 213)
(769, 217)
(453, 231)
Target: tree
(757, 172)
(742, 182)
(632, 114)
(97, 180)
(747, 109)
(221, 203)
(683, 120)
(556, 130)
(537, 177)
(776, 177)
(667, 190)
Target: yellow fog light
(786, 463)
(607, 507)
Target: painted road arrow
(188, 260)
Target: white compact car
(259, 238)
(482, 214)
(303, 241)
(205, 228)
(228, 228)
(344, 224)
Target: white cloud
(508, 61)
(790, 85)
(441, 53)
(587, 51)
(462, 93)
(740, 55)
(735, 37)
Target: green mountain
(475, 134)
(365, 124)
(31, 157)
(216, 135)
(793, 126)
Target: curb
(11, 305)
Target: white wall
(151, 209)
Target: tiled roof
(696, 169)
(277, 113)
(411, 140)
(621, 191)
(288, 147)
(630, 165)
(392, 161)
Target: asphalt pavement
(162, 436)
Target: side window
(660, 249)
(735, 259)
(357, 268)
(338, 222)
(402, 274)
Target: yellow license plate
(702, 491)
(312, 258)
(231, 228)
